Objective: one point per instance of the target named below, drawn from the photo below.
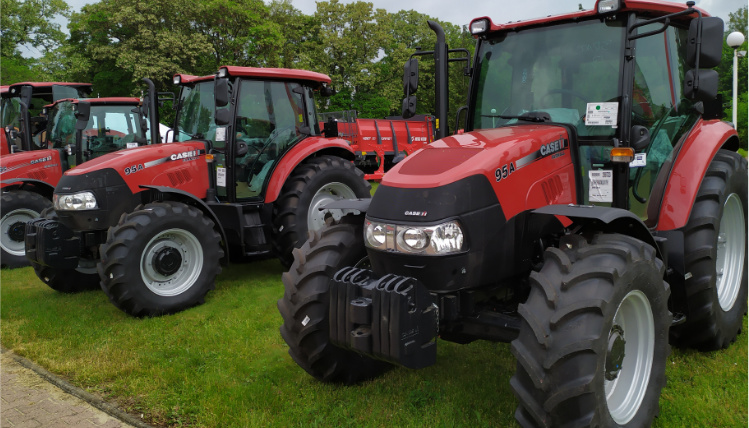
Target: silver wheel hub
(327, 194)
(629, 357)
(12, 230)
(171, 262)
(731, 252)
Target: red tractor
(21, 108)
(594, 208)
(243, 180)
(75, 131)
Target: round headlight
(447, 238)
(376, 234)
(417, 239)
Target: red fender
(699, 149)
(297, 154)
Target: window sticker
(601, 187)
(221, 177)
(132, 145)
(641, 159)
(602, 114)
(221, 134)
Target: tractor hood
(482, 152)
(31, 164)
(141, 158)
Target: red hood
(139, 155)
(478, 152)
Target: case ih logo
(184, 155)
(45, 159)
(416, 213)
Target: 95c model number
(504, 171)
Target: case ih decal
(554, 149)
(189, 155)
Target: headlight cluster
(445, 238)
(75, 202)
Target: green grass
(224, 364)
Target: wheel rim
(13, 230)
(171, 262)
(729, 263)
(328, 193)
(634, 329)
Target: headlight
(445, 238)
(75, 202)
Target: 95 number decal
(504, 171)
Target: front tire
(593, 342)
(17, 208)
(312, 184)
(306, 301)
(716, 257)
(160, 259)
(82, 278)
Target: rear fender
(698, 150)
(163, 193)
(603, 219)
(307, 148)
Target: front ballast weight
(392, 318)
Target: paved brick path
(28, 400)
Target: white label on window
(132, 145)
(640, 160)
(221, 134)
(602, 114)
(601, 186)
(221, 177)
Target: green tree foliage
(737, 22)
(26, 25)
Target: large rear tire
(82, 278)
(715, 254)
(304, 306)
(160, 259)
(593, 342)
(17, 208)
(313, 184)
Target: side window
(658, 106)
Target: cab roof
(278, 73)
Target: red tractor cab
(594, 208)
(243, 180)
(21, 115)
(76, 131)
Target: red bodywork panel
(4, 147)
(529, 166)
(295, 156)
(362, 135)
(41, 165)
(277, 73)
(696, 153)
(178, 165)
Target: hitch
(393, 318)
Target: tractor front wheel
(593, 342)
(305, 304)
(314, 183)
(160, 259)
(716, 257)
(17, 208)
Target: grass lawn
(224, 364)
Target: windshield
(562, 71)
(195, 119)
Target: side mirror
(330, 129)
(710, 42)
(640, 136)
(701, 85)
(221, 92)
(327, 91)
(82, 114)
(223, 117)
(26, 94)
(410, 77)
(409, 107)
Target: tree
(737, 22)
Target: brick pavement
(30, 399)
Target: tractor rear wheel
(313, 184)
(160, 259)
(82, 278)
(305, 303)
(593, 341)
(17, 208)
(715, 254)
